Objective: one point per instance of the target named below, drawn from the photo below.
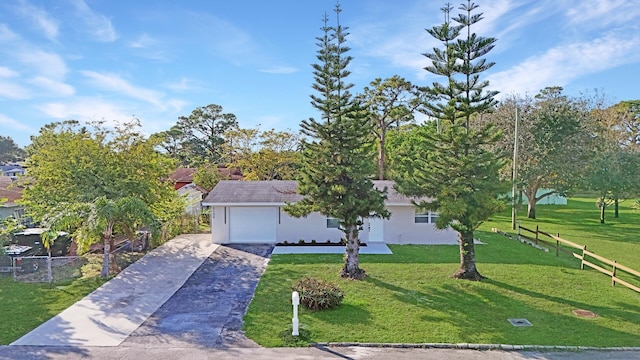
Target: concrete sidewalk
(107, 316)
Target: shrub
(318, 294)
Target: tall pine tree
(455, 168)
(335, 175)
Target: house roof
(182, 175)
(11, 195)
(194, 187)
(230, 173)
(275, 192)
(185, 175)
(5, 181)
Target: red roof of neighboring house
(230, 174)
(7, 192)
(182, 175)
(5, 181)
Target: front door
(376, 230)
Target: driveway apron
(207, 310)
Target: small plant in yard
(318, 294)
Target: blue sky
(157, 60)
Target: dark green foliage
(318, 294)
(336, 162)
(451, 163)
(197, 139)
(390, 104)
(9, 150)
(613, 176)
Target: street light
(515, 174)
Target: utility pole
(515, 174)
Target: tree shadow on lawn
(631, 313)
(343, 314)
(478, 314)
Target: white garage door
(253, 224)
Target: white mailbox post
(295, 300)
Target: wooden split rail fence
(534, 236)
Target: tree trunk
(113, 266)
(105, 260)
(530, 194)
(602, 207)
(531, 209)
(351, 268)
(615, 207)
(468, 270)
(381, 155)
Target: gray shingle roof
(277, 192)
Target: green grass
(409, 296)
(24, 306)
(579, 222)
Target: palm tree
(96, 222)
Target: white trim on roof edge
(245, 204)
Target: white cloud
(148, 47)
(5, 72)
(98, 25)
(562, 64)
(41, 19)
(44, 63)
(180, 86)
(13, 91)
(6, 34)
(176, 104)
(86, 109)
(117, 84)
(55, 87)
(143, 41)
(492, 16)
(224, 39)
(280, 70)
(14, 124)
(603, 13)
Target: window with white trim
(425, 217)
(333, 223)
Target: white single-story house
(251, 212)
(192, 195)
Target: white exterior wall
(192, 198)
(220, 224)
(402, 229)
(312, 227)
(399, 229)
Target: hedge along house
(251, 212)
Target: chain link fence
(41, 268)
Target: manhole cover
(520, 322)
(584, 313)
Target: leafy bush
(318, 294)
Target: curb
(504, 347)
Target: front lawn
(409, 297)
(24, 306)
